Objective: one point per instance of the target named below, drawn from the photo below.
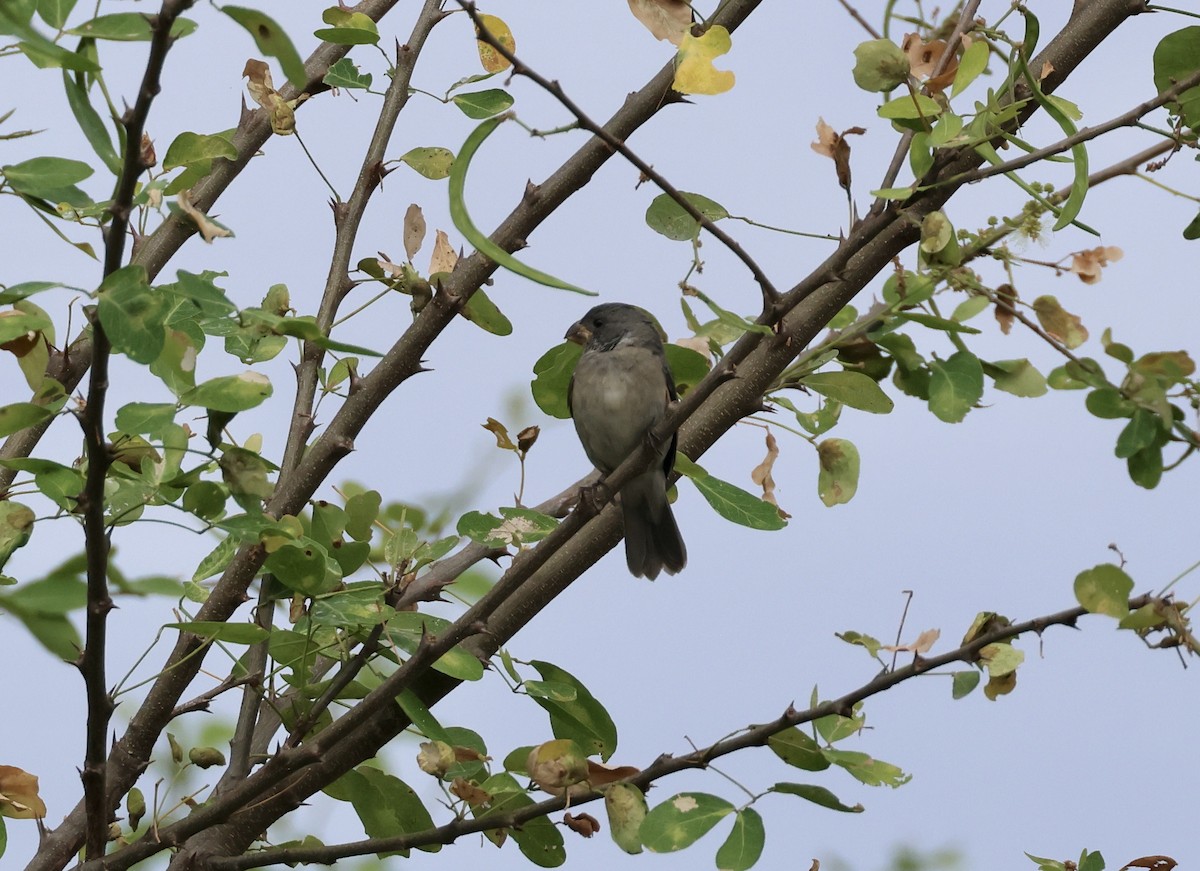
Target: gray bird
(620, 390)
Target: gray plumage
(620, 390)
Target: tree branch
(666, 764)
(1125, 119)
(91, 418)
(347, 220)
(810, 304)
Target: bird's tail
(652, 540)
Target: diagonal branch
(347, 220)
(666, 764)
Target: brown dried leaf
(1059, 322)
(527, 438)
(414, 230)
(923, 644)
(443, 258)
(208, 230)
(500, 431)
(1087, 264)
(834, 146)
(1006, 304)
(602, 775)
(19, 799)
(584, 824)
(470, 792)
(262, 91)
(923, 58)
(666, 19)
(146, 154)
(699, 344)
(761, 474)
(1154, 863)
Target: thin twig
(769, 293)
(1125, 119)
(857, 16)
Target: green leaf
(955, 385)
(271, 40)
(870, 644)
(347, 27)
(386, 805)
(128, 27)
(1018, 377)
(406, 629)
(936, 323)
(230, 633)
(850, 388)
(971, 65)
(817, 795)
(879, 65)
(17, 292)
(432, 162)
(462, 219)
(145, 418)
(16, 525)
(837, 481)
(687, 366)
(230, 393)
(745, 842)
(908, 108)
(963, 683)
(49, 178)
(670, 219)
(799, 749)
(357, 606)
(1192, 231)
(133, 314)
(1176, 58)
(626, 808)
(483, 104)
(1104, 589)
(19, 415)
(1140, 433)
(55, 12)
(1146, 466)
(1079, 158)
(551, 377)
(872, 772)
(90, 123)
(682, 820)
(481, 311)
(1108, 403)
(344, 74)
(303, 566)
(583, 719)
(191, 148)
(731, 502)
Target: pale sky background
(1000, 512)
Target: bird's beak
(579, 334)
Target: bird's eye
(599, 322)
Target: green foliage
(357, 575)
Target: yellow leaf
(491, 59)
(695, 73)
